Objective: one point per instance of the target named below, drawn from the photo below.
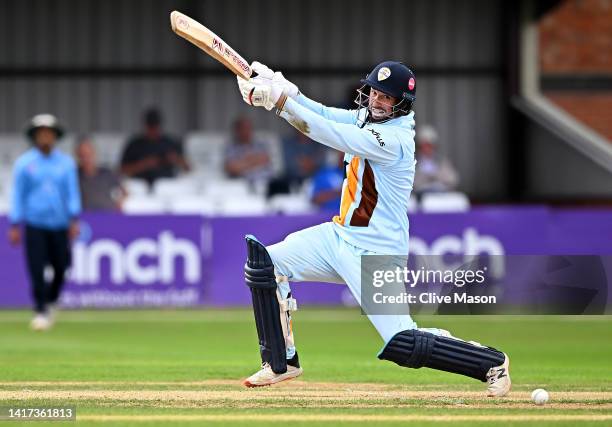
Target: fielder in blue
(46, 204)
(378, 141)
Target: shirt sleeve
(16, 214)
(378, 143)
(330, 113)
(74, 194)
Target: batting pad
(414, 349)
(260, 278)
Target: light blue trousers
(318, 254)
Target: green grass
(168, 354)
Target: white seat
(171, 188)
(205, 151)
(275, 149)
(109, 146)
(445, 202)
(192, 205)
(135, 187)
(242, 206)
(4, 204)
(413, 204)
(12, 145)
(291, 204)
(143, 205)
(221, 189)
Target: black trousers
(43, 248)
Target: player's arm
(330, 113)
(372, 142)
(16, 213)
(375, 142)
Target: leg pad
(260, 278)
(414, 349)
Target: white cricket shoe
(498, 379)
(40, 322)
(266, 376)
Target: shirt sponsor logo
(377, 136)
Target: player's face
(380, 104)
(45, 139)
(86, 155)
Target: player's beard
(379, 114)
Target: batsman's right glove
(261, 92)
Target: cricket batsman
(378, 141)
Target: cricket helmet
(394, 79)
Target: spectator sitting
(100, 187)
(244, 156)
(327, 183)
(301, 159)
(153, 154)
(434, 173)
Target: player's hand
(277, 77)
(74, 230)
(262, 70)
(14, 235)
(260, 92)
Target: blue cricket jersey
(45, 190)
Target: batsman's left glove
(261, 92)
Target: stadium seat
(275, 149)
(290, 204)
(192, 205)
(413, 204)
(109, 146)
(205, 151)
(170, 188)
(226, 188)
(142, 205)
(239, 206)
(11, 146)
(135, 187)
(445, 202)
(4, 204)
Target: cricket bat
(196, 33)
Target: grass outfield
(177, 367)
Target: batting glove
(277, 77)
(260, 92)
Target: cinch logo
(464, 248)
(143, 261)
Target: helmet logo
(411, 83)
(383, 73)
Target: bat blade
(197, 34)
